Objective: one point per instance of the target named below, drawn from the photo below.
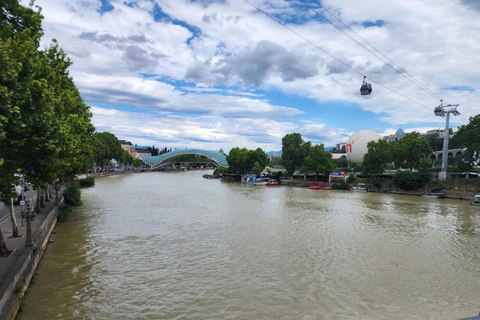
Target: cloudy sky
(214, 74)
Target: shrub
(408, 180)
(72, 194)
(340, 186)
(64, 212)
(87, 182)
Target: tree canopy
(375, 160)
(408, 151)
(294, 152)
(468, 137)
(45, 126)
(318, 161)
(241, 161)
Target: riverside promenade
(18, 268)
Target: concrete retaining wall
(20, 275)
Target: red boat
(319, 186)
(272, 182)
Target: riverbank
(455, 188)
(18, 269)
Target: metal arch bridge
(157, 161)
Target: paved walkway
(17, 245)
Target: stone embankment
(18, 269)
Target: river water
(162, 245)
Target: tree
(45, 124)
(376, 158)
(243, 161)
(20, 34)
(408, 151)
(153, 151)
(318, 161)
(106, 147)
(294, 152)
(468, 137)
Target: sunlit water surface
(177, 246)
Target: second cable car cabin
(366, 87)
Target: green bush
(87, 182)
(220, 170)
(72, 194)
(408, 180)
(64, 212)
(340, 186)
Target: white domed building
(356, 146)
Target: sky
(211, 74)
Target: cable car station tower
(442, 111)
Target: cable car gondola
(366, 87)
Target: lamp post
(28, 242)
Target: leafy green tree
(45, 124)
(376, 159)
(408, 151)
(257, 169)
(243, 161)
(106, 147)
(153, 151)
(318, 161)
(408, 180)
(468, 138)
(294, 152)
(126, 158)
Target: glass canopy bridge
(163, 159)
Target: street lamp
(28, 242)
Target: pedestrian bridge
(164, 158)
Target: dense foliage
(45, 126)
(468, 137)
(318, 161)
(241, 161)
(87, 182)
(72, 194)
(408, 180)
(294, 152)
(375, 161)
(407, 152)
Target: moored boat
(359, 188)
(272, 182)
(429, 194)
(319, 186)
(476, 200)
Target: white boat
(360, 187)
(476, 200)
(430, 194)
(260, 183)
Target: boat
(260, 181)
(272, 182)
(359, 188)
(314, 186)
(476, 200)
(319, 186)
(430, 194)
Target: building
(399, 134)
(438, 133)
(143, 150)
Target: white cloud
(209, 73)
